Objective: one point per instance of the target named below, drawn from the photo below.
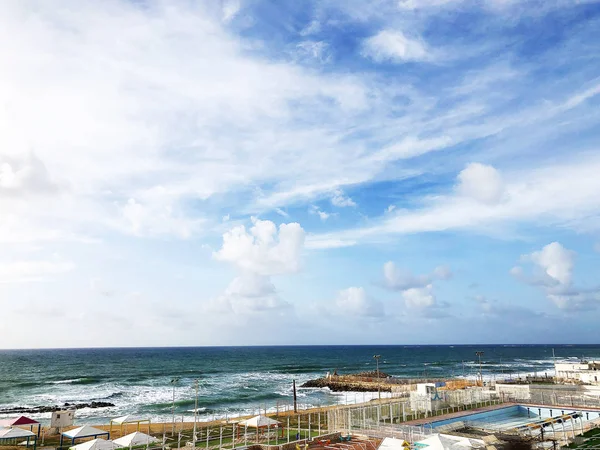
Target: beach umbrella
(15, 433)
(136, 438)
(95, 444)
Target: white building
(586, 372)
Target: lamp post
(195, 413)
(376, 357)
(480, 354)
(173, 381)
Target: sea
(234, 381)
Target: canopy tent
(389, 443)
(260, 423)
(95, 444)
(136, 438)
(82, 432)
(449, 442)
(127, 419)
(18, 433)
(20, 421)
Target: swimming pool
(517, 416)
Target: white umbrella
(95, 444)
(136, 438)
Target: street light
(195, 413)
(173, 381)
(376, 357)
(480, 354)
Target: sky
(247, 172)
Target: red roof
(18, 421)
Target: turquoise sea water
(237, 380)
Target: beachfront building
(587, 372)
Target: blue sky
(321, 172)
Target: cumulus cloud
(553, 268)
(419, 297)
(340, 200)
(258, 253)
(395, 46)
(354, 301)
(263, 249)
(480, 182)
(398, 279)
(417, 291)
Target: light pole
(173, 381)
(376, 357)
(195, 413)
(480, 354)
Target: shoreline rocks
(46, 409)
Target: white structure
(587, 372)
(15, 433)
(96, 444)
(389, 443)
(137, 438)
(259, 422)
(425, 398)
(449, 442)
(62, 419)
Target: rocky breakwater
(47, 409)
(359, 382)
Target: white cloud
(556, 261)
(263, 249)
(416, 290)
(318, 50)
(226, 218)
(555, 264)
(340, 200)
(354, 301)
(322, 214)
(421, 297)
(230, 9)
(27, 175)
(390, 208)
(395, 46)
(258, 254)
(480, 182)
(158, 213)
(543, 195)
(400, 280)
(282, 213)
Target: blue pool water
(516, 416)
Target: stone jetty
(359, 382)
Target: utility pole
(173, 381)
(480, 354)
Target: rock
(46, 409)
